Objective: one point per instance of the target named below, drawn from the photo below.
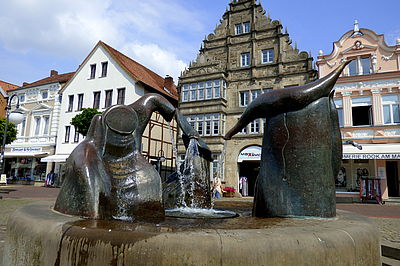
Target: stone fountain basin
(36, 235)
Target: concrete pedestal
(36, 235)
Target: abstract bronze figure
(107, 176)
(301, 151)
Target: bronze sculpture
(107, 176)
(301, 152)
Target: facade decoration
(37, 133)
(367, 99)
(247, 54)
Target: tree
(11, 131)
(82, 121)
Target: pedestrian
(217, 191)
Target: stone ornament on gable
(358, 45)
(387, 58)
(331, 65)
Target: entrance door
(249, 169)
(392, 172)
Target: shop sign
(3, 179)
(372, 156)
(252, 153)
(27, 149)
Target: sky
(164, 35)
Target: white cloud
(153, 57)
(152, 30)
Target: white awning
(56, 158)
(24, 154)
(372, 151)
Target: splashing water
(194, 179)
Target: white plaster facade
(87, 82)
(81, 83)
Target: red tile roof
(7, 86)
(52, 79)
(142, 73)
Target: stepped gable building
(36, 137)
(4, 88)
(367, 96)
(107, 77)
(246, 55)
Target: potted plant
(229, 191)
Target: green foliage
(82, 121)
(11, 131)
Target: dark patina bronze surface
(301, 150)
(106, 175)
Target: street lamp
(14, 117)
(160, 159)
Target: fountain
(110, 210)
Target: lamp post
(160, 159)
(14, 117)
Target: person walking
(217, 191)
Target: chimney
(169, 82)
(53, 72)
(25, 84)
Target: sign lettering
(372, 156)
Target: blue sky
(39, 35)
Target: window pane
(245, 59)
(67, 131)
(268, 56)
(217, 92)
(200, 94)
(209, 93)
(185, 96)
(386, 114)
(255, 94)
(246, 27)
(80, 102)
(340, 116)
(96, 100)
(244, 98)
(37, 125)
(193, 92)
(104, 69)
(46, 125)
(121, 96)
(70, 103)
(390, 98)
(396, 114)
(238, 28)
(92, 71)
(108, 101)
(45, 94)
(353, 68)
(366, 65)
